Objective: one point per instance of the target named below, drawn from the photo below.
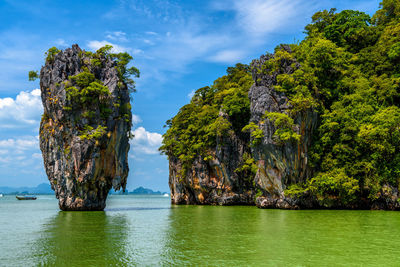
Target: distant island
(41, 189)
(45, 189)
(138, 191)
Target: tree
(33, 75)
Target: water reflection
(83, 239)
(246, 236)
(222, 236)
(147, 232)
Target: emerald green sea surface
(148, 231)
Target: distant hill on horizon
(138, 191)
(44, 188)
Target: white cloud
(228, 56)
(21, 50)
(24, 110)
(37, 156)
(191, 94)
(136, 51)
(196, 39)
(145, 142)
(117, 36)
(26, 143)
(186, 45)
(151, 33)
(147, 41)
(95, 45)
(259, 17)
(61, 43)
(14, 150)
(136, 119)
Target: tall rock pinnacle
(86, 125)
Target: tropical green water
(148, 231)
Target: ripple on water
(140, 231)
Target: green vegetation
(89, 133)
(91, 91)
(349, 73)
(247, 168)
(255, 132)
(333, 187)
(214, 112)
(88, 97)
(88, 94)
(347, 70)
(284, 125)
(67, 150)
(51, 53)
(33, 75)
(359, 128)
(83, 79)
(121, 59)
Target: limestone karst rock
(322, 116)
(278, 164)
(214, 180)
(85, 128)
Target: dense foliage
(347, 69)
(33, 75)
(284, 125)
(213, 112)
(350, 70)
(122, 60)
(88, 95)
(51, 53)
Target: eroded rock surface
(84, 132)
(278, 164)
(215, 180)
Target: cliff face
(278, 164)
(313, 103)
(274, 165)
(84, 129)
(215, 180)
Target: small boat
(166, 195)
(26, 197)
(1, 195)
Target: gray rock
(278, 164)
(270, 202)
(388, 199)
(214, 181)
(82, 171)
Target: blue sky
(178, 46)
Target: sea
(149, 231)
